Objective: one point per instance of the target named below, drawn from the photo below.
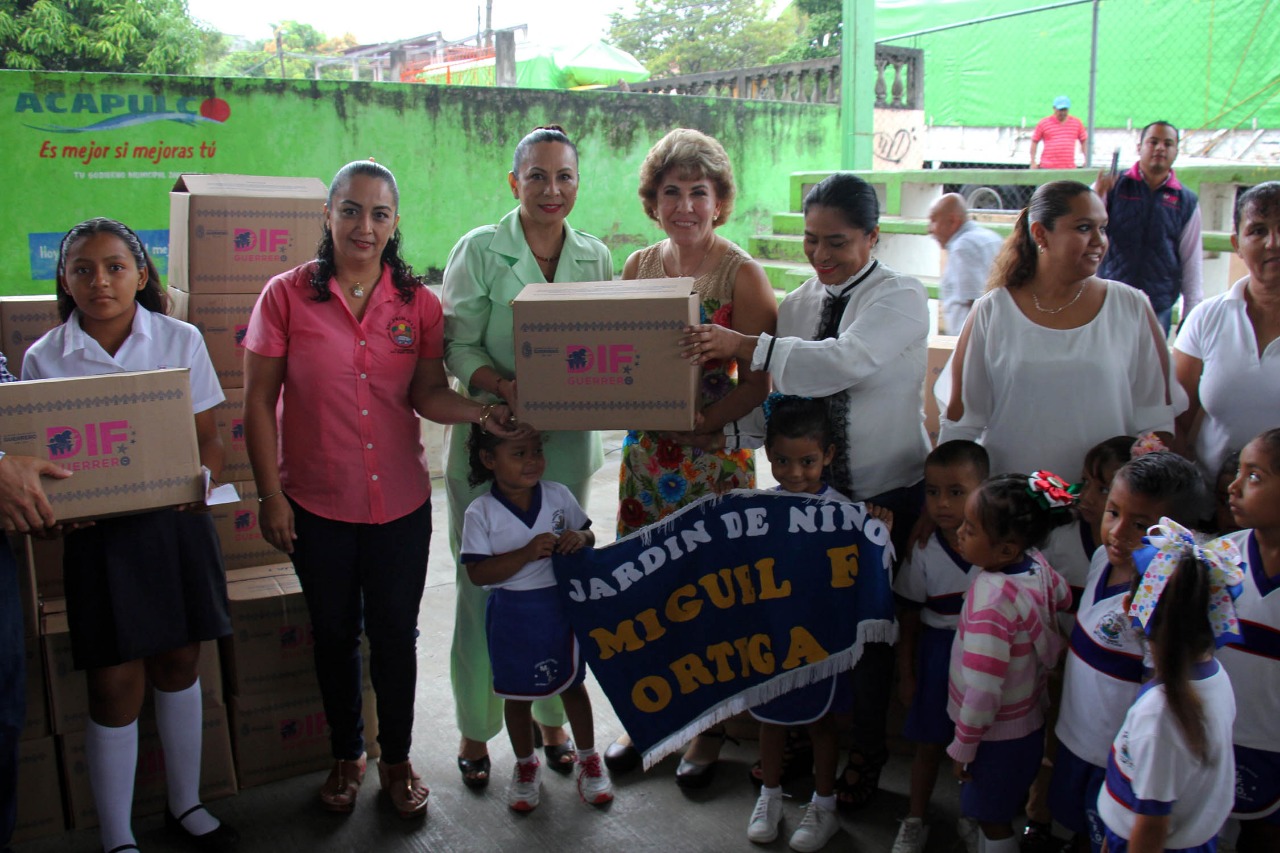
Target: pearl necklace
(357, 290)
(1036, 300)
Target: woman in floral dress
(686, 184)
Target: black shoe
(691, 774)
(1038, 838)
(221, 840)
(621, 758)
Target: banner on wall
(726, 604)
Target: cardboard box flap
(640, 288)
(251, 186)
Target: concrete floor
(649, 813)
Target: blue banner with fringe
(725, 605)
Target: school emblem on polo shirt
(1111, 629)
(401, 332)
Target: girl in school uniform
(144, 590)
(799, 444)
(508, 537)
(1005, 644)
(1254, 660)
(1104, 667)
(1170, 771)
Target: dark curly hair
(1011, 513)
(1262, 199)
(406, 283)
(1170, 479)
(151, 297)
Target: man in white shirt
(970, 248)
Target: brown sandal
(338, 793)
(405, 788)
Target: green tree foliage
(687, 37)
(302, 44)
(821, 33)
(147, 36)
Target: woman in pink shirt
(354, 341)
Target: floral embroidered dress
(659, 477)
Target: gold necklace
(551, 260)
(698, 269)
(1036, 300)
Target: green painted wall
(74, 146)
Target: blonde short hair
(691, 154)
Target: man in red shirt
(1059, 132)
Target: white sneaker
(912, 835)
(765, 819)
(593, 782)
(526, 786)
(816, 828)
(967, 829)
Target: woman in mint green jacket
(485, 271)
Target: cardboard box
(239, 534)
(271, 647)
(283, 734)
(223, 319)
(43, 558)
(29, 602)
(39, 794)
(23, 321)
(231, 233)
(940, 349)
(282, 569)
(69, 691)
(235, 457)
(36, 724)
(130, 438)
(603, 355)
(217, 773)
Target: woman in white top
(855, 335)
(1054, 359)
(1227, 355)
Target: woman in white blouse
(854, 334)
(1227, 355)
(1054, 359)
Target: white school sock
(774, 793)
(584, 754)
(1000, 845)
(828, 802)
(180, 720)
(112, 754)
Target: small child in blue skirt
(799, 445)
(508, 537)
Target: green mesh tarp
(1197, 63)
